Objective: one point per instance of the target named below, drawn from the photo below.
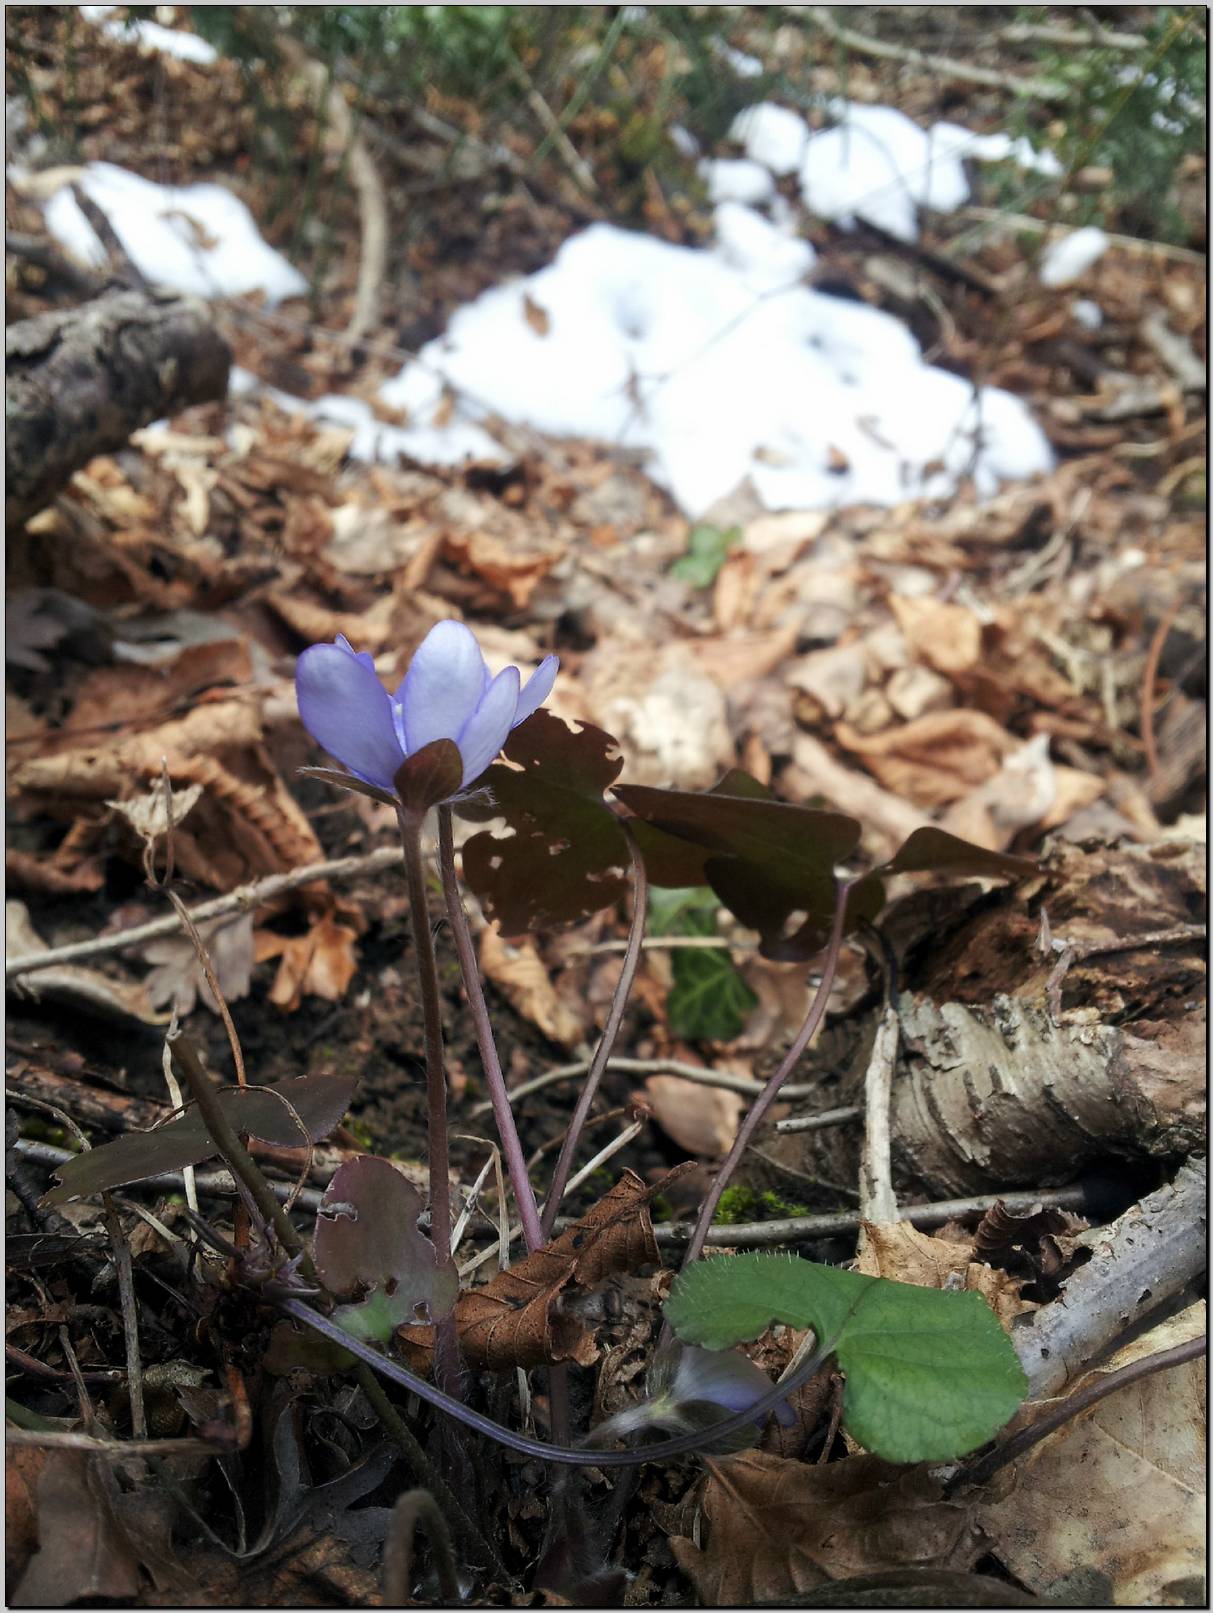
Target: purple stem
(569, 1456)
(511, 1147)
(431, 1013)
(619, 1001)
(766, 1098)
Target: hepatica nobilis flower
(447, 693)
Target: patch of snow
(724, 366)
(1086, 313)
(742, 63)
(177, 42)
(876, 164)
(737, 179)
(1066, 260)
(198, 239)
(771, 135)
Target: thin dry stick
(619, 1002)
(827, 1117)
(877, 1201)
(70, 1440)
(689, 1072)
(130, 1317)
(242, 900)
(805, 1228)
(1149, 678)
(1056, 1416)
(1040, 89)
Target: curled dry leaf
(520, 972)
(516, 1320)
(320, 963)
(87, 990)
(946, 637)
(779, 1528)
(900, 1252)
(703, 1120)
(934, 760)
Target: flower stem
(623, 988)
(431, 1011)
(511, 1147)
(766, 1098)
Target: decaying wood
(1013, 1073)
(1143, 1259)
(80, 381)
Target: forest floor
(1027, 671)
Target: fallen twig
(689, 1072)
(804, 1228)
(1152, 1252)
(241, 900)
(1040, 89)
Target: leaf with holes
(320, 1101)
(565, 855)
(930, 1374)
(769, 861)
(367, 1246)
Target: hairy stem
(762, 1104)
(418, 1508)
(511, 1147)
(619, 1001)
(431, 1011)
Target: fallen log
(80, 381)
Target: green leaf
(709, 1001)
(930, 1374)
(707, 550)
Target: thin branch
(619, 1002)
(806, 1228)
(242, 900)
(689, 1072)
(511, 1147)
(827, 1117)
(1039, 89)
(71, 1440)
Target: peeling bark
(1016, 1071)
(80, 381)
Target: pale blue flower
(447, 693)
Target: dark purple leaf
(319, 1100)
(566, 856)
(931, 850)
(431, 774)
(769, 861)
(367, 1247)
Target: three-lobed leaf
(930, 1374)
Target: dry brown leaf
(72, 983)
(945, 637)
(1019, 796)
(320, 963)
(516, 1320)
(903, 1254)
(1119, 1490)
(731, 659)
(82, 1552)
(368, 630)
(179, 978)
(513, 563)
(936, 759)
(28, 871)
(702, 1120)
(779, 1528)
(833, 679)
(520, 972)
(669, 717)
(1072, 791)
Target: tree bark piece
(79, 382)
(1139, 1262)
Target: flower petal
(486, 731)
(347, 710)
(537, 688)
(443, 686)
(364, 656)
